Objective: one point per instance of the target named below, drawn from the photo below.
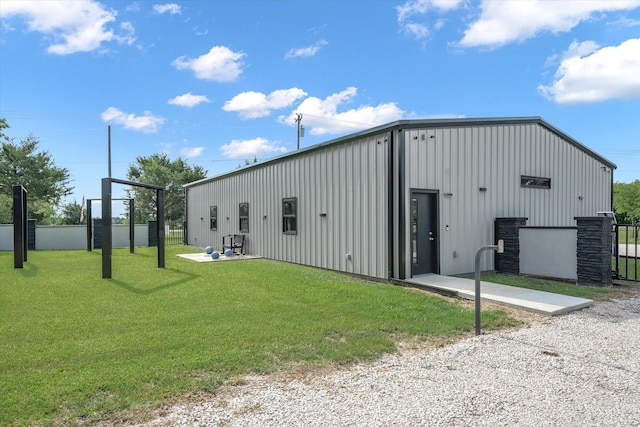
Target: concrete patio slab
(527, 299)
(203, 257)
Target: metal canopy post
(132, 226)
(89, 226)
(106, 228)
(160, 216)
(25, 225)
(19, 226)
(107, 240)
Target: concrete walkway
(527, 299)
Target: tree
(626, 202)
(247, 162)
(71, 214)
(22, 163)
(157, 169)
(3, 125)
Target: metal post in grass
(89, 225)
(106, 228)
(500, 249)
(132, 226)
(20, 242)
(160, 217)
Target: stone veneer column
(594, 251)
(507, 229)
(97, 233)
(31, 234)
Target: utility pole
(300, 127)
(109, 148)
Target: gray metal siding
(458, 161)
(347, 182)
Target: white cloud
(252, 105)
(251, 148)
(172, 8)
(147, 123)
(419, 31)
(590, 74)
(421, 7)
(190, 152)
(73, 26)
(188, 100)
(503, 22)
(133, 7)
(305, 51)
(323, 117)
(220, 64)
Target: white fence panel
(57, 237)
(49, 237)
(6, 237)
(549, 252)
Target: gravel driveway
(574, 370)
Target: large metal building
(403, 199)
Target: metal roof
(421, 124)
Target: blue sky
(218, 82)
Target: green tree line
(626, 202)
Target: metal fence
(175, 233)
(626, 252)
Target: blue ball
(208, 249)
(228, 253)
(215, 255)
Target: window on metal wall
(534, 182)
(290, 215)
(213, 218)
(244, 217)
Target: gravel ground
(579, 369)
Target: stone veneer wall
(507, 229)
(594, 251)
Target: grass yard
(627, 267)
(556, 287)
(628, 234)
(75, 348)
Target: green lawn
(556, 287)
(627, 267)
(628, 234)
(76, 348)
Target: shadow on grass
(28, 269)
(136, 289)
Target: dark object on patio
(236, 243)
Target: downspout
(612, 210)
(185, 231)
(390, 194)
(402, 208)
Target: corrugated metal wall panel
(459, 161)
(347, 182)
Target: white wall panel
(347, 182)
(461, 160)
(541, 248)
